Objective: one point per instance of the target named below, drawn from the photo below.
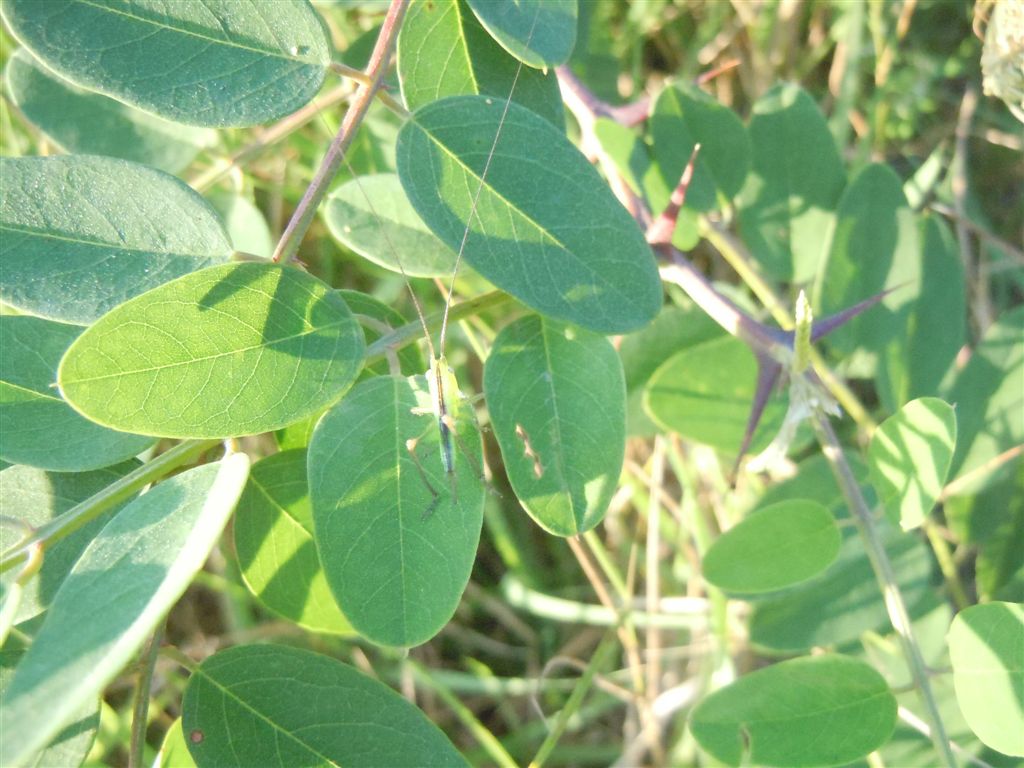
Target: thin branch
(206, 178)
(115, 493)
(1015, 252)
(288, 245)
(882, 566)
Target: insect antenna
(479, 190)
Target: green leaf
(83, 122)
(989, 398)
(35, 497)
(117, 593)
(83, 234)
(372, 216)
(785, 208)
(537, 32)
(642, 352)
(246, 227)
(410, 359)
(986, 646)
(271, 705)
(276, 552)
(557, 400)
(812, 711)
(777, 546)
(877, 246)
(683, 115)
(213, 63)
(396, 558)
(232, 350)
(675, 328)
(546, 229)
(842, 603)
(909, 458)
(36, 426)
(71, 745)
(938, 319)
(443, 51)
(705, 393)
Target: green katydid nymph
(447, 403)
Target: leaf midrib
(134, 372)
(46, 235)
(213, 40)
(243, 704)
(471, 173)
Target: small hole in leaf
(196, 736)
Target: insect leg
(410, 446)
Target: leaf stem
(413, 331)
(946, 564)
(881, 565)
(288, 245)
(113, 494)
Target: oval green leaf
(37, 427)
(83, 234)
(683, 116)
(557, 400)
(937, 325)
(397, 557)
(876, 246)
(812, 711)
(372, 216)
(146, 557)
(36, 497)
(87, 123)
(909, 458)
(538, 33)
(232, 350)
(194, 61)
(986, 647)
(443, 51)
(796, 179)
(777, 546)
(276, 552)
(705, 393)
(546, 228)
(252, 701)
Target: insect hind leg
(410, 446)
